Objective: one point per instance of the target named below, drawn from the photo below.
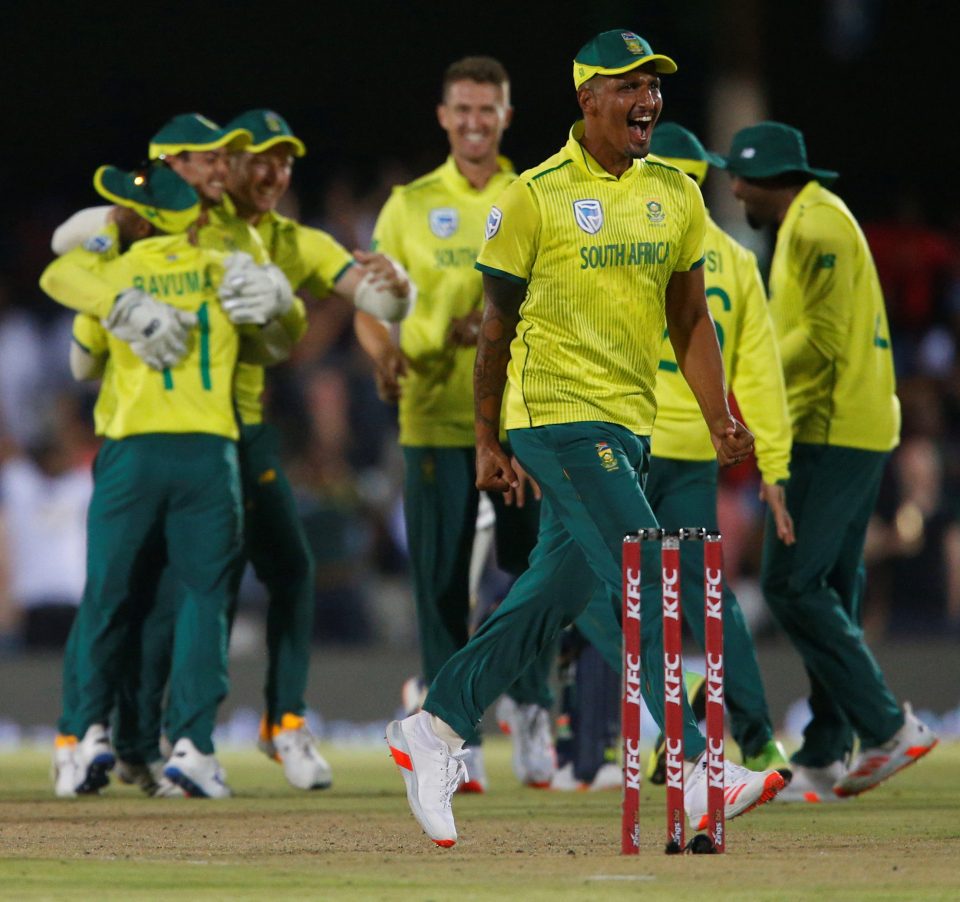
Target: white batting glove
(252, 294)
(156, 332)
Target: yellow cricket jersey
(434, 227)
(831, 326)
(309, 259)
(225, 231)
(197, 394)
(738, 304)
(596, 253)
(73, 279)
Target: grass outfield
(358, 841)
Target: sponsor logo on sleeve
(98, 244)
(494, 218)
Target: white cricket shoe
(743, 790)
(66, 768)
(95, 759)
(149, 778)
(812, 784)
(198, 775)
(534, 757)
(609, 776)
(303, 765)
(563, 780)
(431, 772)
(872, 766)
(475, 774)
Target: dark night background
(84, 84)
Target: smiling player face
(257, 181)
(203, 170)
(474, 116)
(620, 112)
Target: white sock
(445, 732)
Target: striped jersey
(434, 227)
(831, 325)
(596, 253)
(751, 362)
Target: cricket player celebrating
(170, 435)
(434, 226)
(681, 484)
(258, 177)
(587, 258)
(831, 326)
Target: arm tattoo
(501, 313)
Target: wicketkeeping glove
(156, 332)
(253, 294)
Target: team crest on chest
(589, 215)
(444, 221)
(654, 210)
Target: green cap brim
(177, 215)
(233, 139)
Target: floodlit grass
(358, 841)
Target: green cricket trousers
(814, 589)
(275, 544)
(153, 492)
(591, 475)
(440, 507)
(684, 493)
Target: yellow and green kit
(595, 253)
(170, 445)
(434, 227)
(682, 482)
(831, 327)
(275, 543)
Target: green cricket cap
(154, 192)
(680, 147)
(615, 52)
(191, 131)
(768, 149)
(267, 129)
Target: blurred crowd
(340, 445)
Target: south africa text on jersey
(638, 253)
(189, 281)
(453, 257)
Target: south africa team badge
(654, 210)
(444, 221)
(589, 215)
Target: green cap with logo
(768, 149)
(154, 192)
(680, 147)
(268, 129)
(191, 131)
(615, 52)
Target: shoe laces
(455, 773)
